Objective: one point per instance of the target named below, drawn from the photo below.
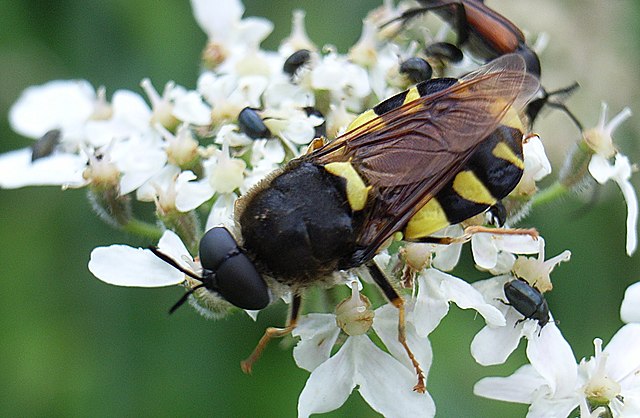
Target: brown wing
(409, 153)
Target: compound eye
(236, 278)
(215, 246)
(240, 283)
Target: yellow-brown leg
(378, 276)
(476, 229)
(272, 332)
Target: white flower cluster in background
(190, 153)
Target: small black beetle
(416, 69)
(527, 300)
(252, 125)
(226, 270)
(296, 61)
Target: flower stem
(551, 193)
(145, 229)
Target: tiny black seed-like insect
(416, 69)
(527, 300)
(45, 146)
(296, 61)
(251, 124)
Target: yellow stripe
(469, 187)
(512, 119)
(504, 152)
(412, 94)
(362, 119)
(426, 221)
(357, 191)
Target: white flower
(549, 383)
(384, 381)
(536, 165)
(554, 385)
(437, 289)
(536, 273)
(600, 140)
(630, 308)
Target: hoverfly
(437, 154)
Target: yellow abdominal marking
(429, 219)
(469, 187)
(503, 151)
(357, 191)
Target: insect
(252, 125)
(296, 61)
(45, 146)
(437, 154)
(527, 300)
(416, 69)
(488, 35)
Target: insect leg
(472, 230)
(378, 276)
(273, 332)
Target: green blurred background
(71, 345)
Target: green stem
(551, 193)
(144, 229)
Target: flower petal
(318, 333)
(385, 384)
(494, 345)
(624, 356)
(122, 265)
(519, 387)
(630, 308)
(330, 384)
(551, 355)
(60, 169)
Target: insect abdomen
(492, 172)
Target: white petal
(318, 334)
(222, 211)
(519, 387)
(173, 246)
(494, 345)
(467, 297)
(60, 104)
(631, 198)
(600, 168)
(431, 305)
(330, 384)
(624, 355)
(536, 162)
(193, 194)
(189, 108)
(122, 265)
(385, 323)
(485, 254)
(386, 385)
(217, 18)
(551, 355)
(630, 308)
(59, 169)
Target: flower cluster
(193, 152)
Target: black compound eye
(252, 125)
(236, 278)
